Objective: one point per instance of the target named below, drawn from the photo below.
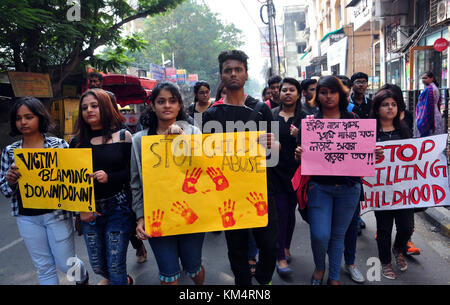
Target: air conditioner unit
(441, 11)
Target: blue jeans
(169, 250)
(107, 239)
(50, 243)
(330, 210)
(351, 237)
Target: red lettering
(384, 203)
(435, 170)
(413, 199)
(422, 190)
(388, 181)
(394, 198)
(436, 198)
(417, 170)
(379, 169)
(406, 167)
(423, 149)
(392, 148)
(401, 155)
(367, 183)
(370, 200)
(396, 179)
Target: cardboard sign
(200, 183)
(412, 174)
(338, 147)
(56, 178)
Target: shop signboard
(157, 72)
(171, 75)
(362, 13)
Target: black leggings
(266, 242)
(404, 222)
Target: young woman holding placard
(165, 116)
(390, 127)
(106, 232)
(332, 200)
(48, 234)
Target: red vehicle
(128, 89)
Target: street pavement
(432, 267)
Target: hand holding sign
(259, 203)
(218, 178)
(227, 214)
(12, 175)
(185, 211)
(190, 181)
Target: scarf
(425, 112)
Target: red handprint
(259, 203)
(191, 180)
(218, 178)
(227, 214)
(155, 223)
(185, 211)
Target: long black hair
(399, 125)
(37, 108)
(148, 117)
(335, 84)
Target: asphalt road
(432, 267)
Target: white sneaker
(355, 274)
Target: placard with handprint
(201, 183)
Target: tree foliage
(38, 37)
(194, 34)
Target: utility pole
(273, 52)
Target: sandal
(388, 272)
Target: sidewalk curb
(440, 217)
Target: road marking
(11, 245)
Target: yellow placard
(201, 183)
(56, 178)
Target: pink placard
(338, 147)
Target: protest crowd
(328, 187)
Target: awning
(338, 31)
(128, 89)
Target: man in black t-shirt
(239, 107)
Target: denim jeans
(50, 243)
(330, 211)
(169, 250)
(351, 237)
(107, 239)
